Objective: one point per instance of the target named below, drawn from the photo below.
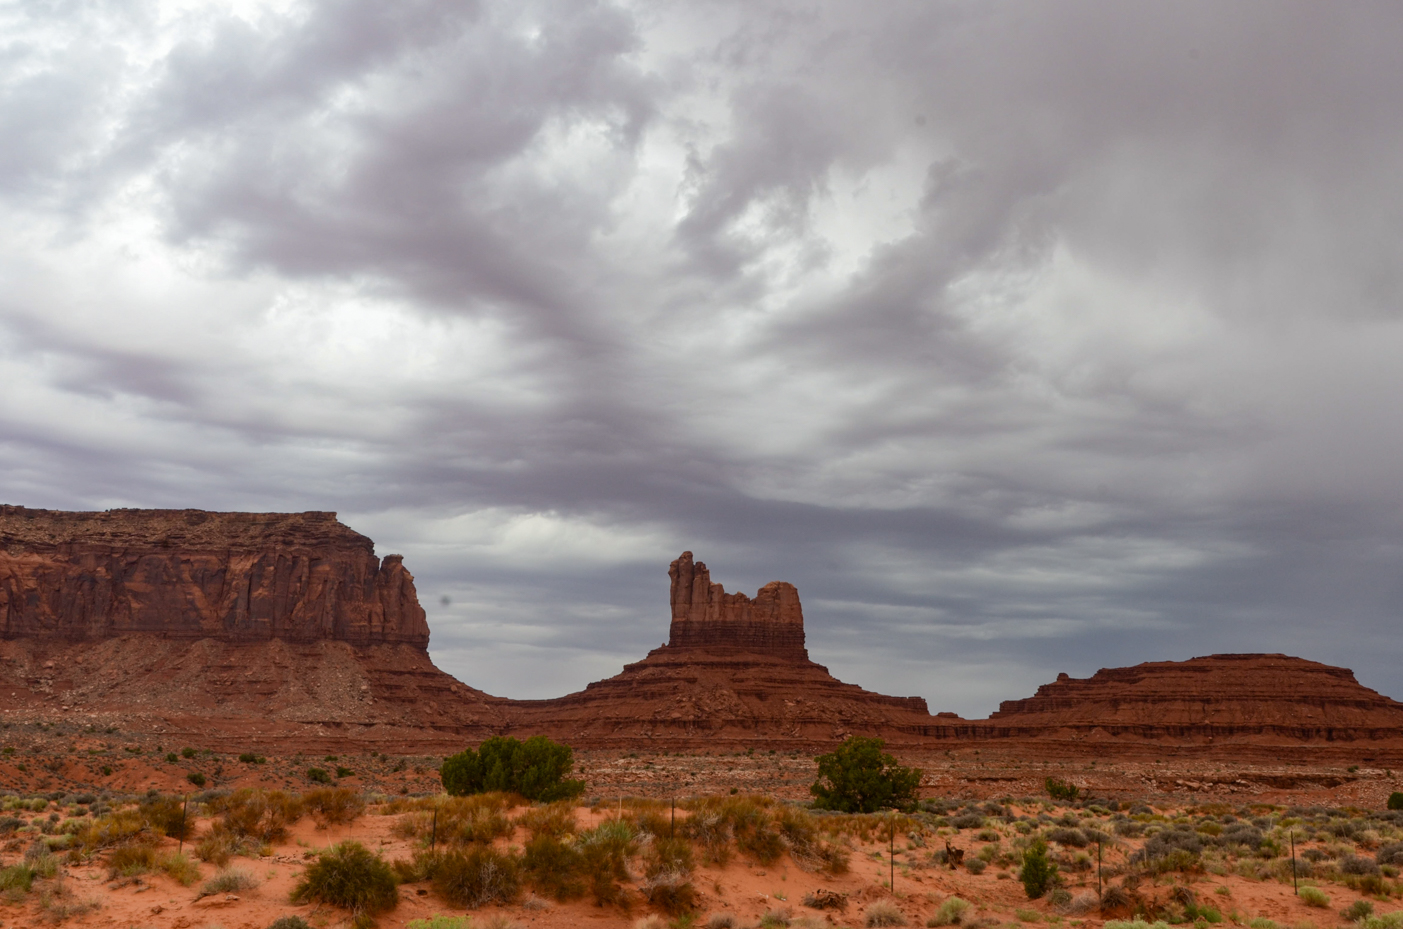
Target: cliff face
(705, 616)
(734, 672)
(1214, 697)
(236, 577)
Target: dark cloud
(1023, 339)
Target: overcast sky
(1021, 337)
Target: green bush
(1059, 789)
(481, 875)
(1314, 896)
(196, 778)
(1038, 874)
(17, 877)
(858, 777)
(251, 758)
(318, 776)
(188, 753)
(1359, 909)
(167, 816)
(349, 875)
(537, 769)
(951, 913)
(228, 881)
(1395, 800)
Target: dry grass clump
(130, 861)
(952, 912)
(263, 816)
(460, 820)
(883, 913)
(476, 877)
(333, 805)
(179, 868)
(168, 816)
(605, 851)
(556, 820)
(228, 881)
(554, 868)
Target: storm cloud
(1022, 338)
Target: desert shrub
(251, 758)
(1391, 853)
(1261, 922)
(775, 918)
(318, 776)
(951, 913)
(218, 845)
(194, 777)
(1073, 838)
(670, 891)
(721, 921)
(1395, 800)
(858, 777)
(553, 819)
(604, 852)
(167, 816)
(1392, 920)
(263, 816)
(883, 913)
(973, 820)
(554, 868)
(477, 876)
(1313, 896)
(109, 830)
(1359, 909)
(130, 860)
(1136, 923)
(537, 769)
(228, 881)
(1059, 789)
(1038, 873)
(333, 805)
(9, 824)
(799, 830)
(292, 922)
(976, 865)
(349, 875)
(179, 868)
(1353, 864)
(668, 855)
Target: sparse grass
(440, 922)
(556, 820)
(130, 861)
(883, 913)
(228, 881)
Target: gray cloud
(1023, 339)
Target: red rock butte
(285, 631)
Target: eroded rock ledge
(233, 577)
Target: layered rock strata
(734, 672)
(1247, 704)
(704, 615)
(236, 577)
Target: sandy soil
(743, 888)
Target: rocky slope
(733, 673)
(270, 631)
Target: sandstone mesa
(285, 630)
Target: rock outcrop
(734, 673)
(1214, 697)
(705, 616)
(236, 577)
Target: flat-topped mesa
(301, 577)
(705, 616)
